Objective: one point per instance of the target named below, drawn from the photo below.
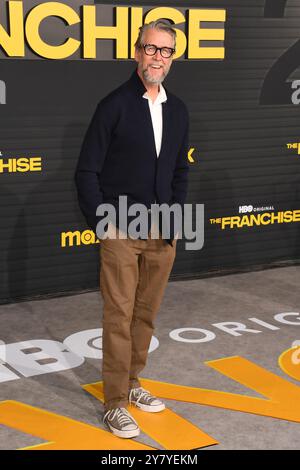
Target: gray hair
(160, 25)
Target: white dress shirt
(157, 124)
(156, 115)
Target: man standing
(136, 145)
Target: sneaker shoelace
(121, 414)
(142, 394)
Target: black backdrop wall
(244, 166)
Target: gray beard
(149, 79)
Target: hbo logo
(244, 209)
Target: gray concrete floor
(186, 304)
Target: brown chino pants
(133, 277)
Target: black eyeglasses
(151, 49)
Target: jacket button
(149, 210)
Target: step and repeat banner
(236, 68)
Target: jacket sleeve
(180, 176)
(91, 159)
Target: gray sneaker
(121, 423)
(145, 401)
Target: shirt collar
(161, 97)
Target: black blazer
(118, 154)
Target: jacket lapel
(149, 126)
(167, 128)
